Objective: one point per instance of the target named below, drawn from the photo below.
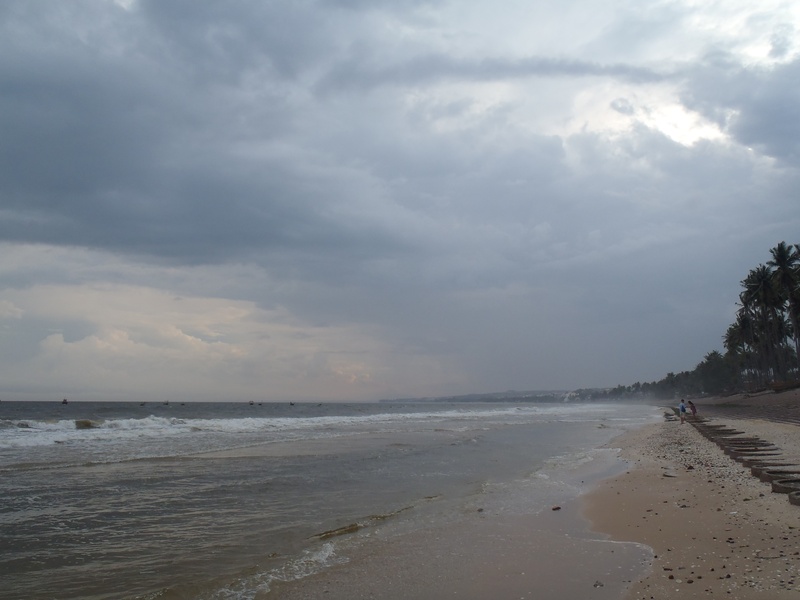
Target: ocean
(222, 501)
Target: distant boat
(64, 401)
(251, 403)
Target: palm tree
(785, 266)
(762, 302)
(737, 346)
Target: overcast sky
(364, 199)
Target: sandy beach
(681, 519)
(715, 529)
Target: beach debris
(784, 486)
(770, 474)
(556, 508)
(762, 457)
(366, 522)
(598, 584)
(352, 528)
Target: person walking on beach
(692, 408)
(682, 410)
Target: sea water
(223, 500)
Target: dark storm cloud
(395, 178)
(124, 134)
(225, 40)
(358, 73)
(759, 106)
(130, 151)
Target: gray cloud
(623, 106)
(759, 106)
(782, 41)
(368, 192)
(429, 68)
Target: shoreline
(715, 529)
(676, 518)
(491, 551)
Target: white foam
(310, 562)
(32, 433)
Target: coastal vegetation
(762, 346)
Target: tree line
(762, 346)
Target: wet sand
(488, 552)
(497, 558)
